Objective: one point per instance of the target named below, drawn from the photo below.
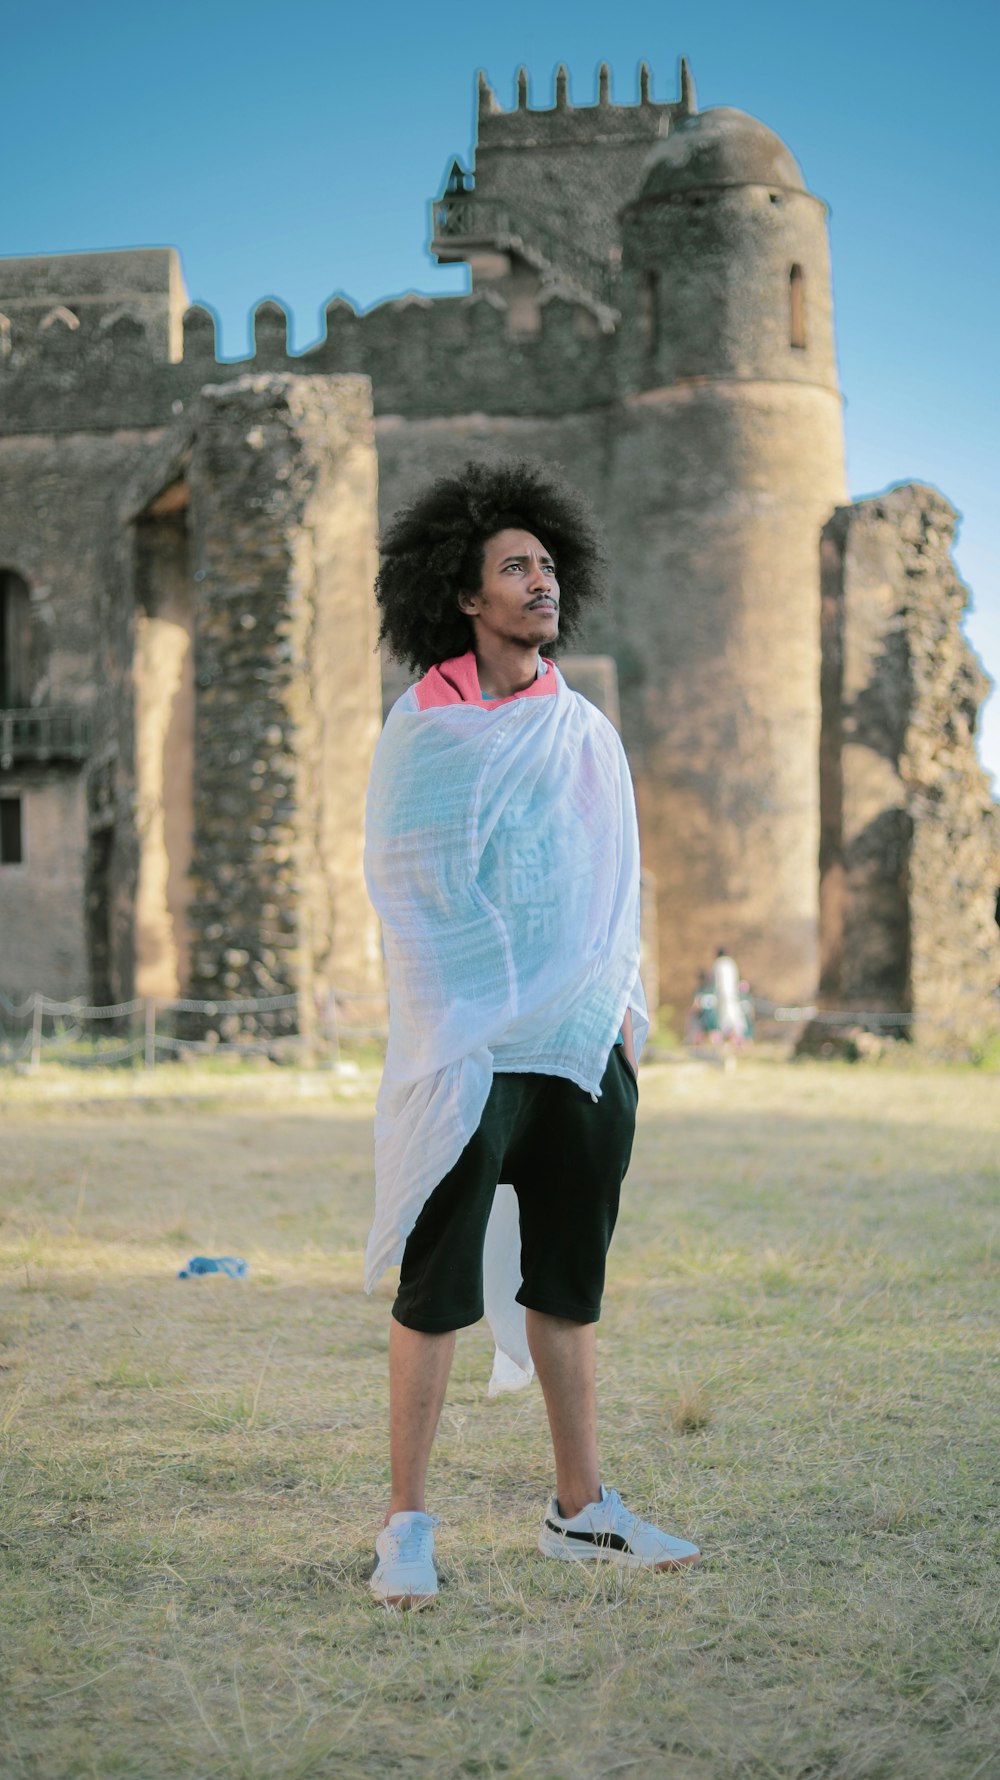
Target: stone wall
(716, 588)
(721, 261)
(443, 355)
(47, 298)
(276, 478)
(43, 939)
(911, 836)
(56, 496)
(700, 415)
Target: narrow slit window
(797, 307)
(11, 832)
(14, 633)
(649, 311)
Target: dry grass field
(798, 1368)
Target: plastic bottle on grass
(231, 1264)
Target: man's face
(518, 601)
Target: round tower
(728, 462)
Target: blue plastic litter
(231, 1264)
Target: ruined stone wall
(709, 442)
(56, 492)
(43, 939)
(911, 836)
(142, 284)
(458, 355)
(65, 391)
(443, 355)
(280, 474)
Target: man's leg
(583, 1525)
(441, 1283)
(419, 1365)
(565, 1360)
(568, 1188)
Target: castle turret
(729, 461)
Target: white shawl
(502, 857)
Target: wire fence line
(42, 1029)
(878, 1019)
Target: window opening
(14, 641)
(11, 835)
(797, 306)
(649, 311)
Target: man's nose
(542, 580)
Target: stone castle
(189, 693)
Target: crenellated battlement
(67, 371)
(107, 341)
(48, 295)
(65, 337)
(563, 120)
(549, 182)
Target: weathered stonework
(281, 481)
(43, 933)
(911, 837)
(651, 309)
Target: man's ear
(467, 603)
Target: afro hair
(433, 551)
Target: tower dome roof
(720, 147)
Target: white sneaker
(405, 1575)
(606, 1531)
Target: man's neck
(505, 668)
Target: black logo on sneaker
(610, 1541)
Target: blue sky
(291, 153)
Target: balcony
(50, 733)
(463, 221)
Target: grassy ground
(798, 1367)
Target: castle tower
(541, 208)
(728, 462)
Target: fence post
(150, 1058)
(37, 1005)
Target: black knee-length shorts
(565, 1156)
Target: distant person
(701, 1021)
(749, 1009)
(729, 1015)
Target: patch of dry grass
(798, 1367)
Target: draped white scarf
(502, 856)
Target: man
(502, 858)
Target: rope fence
(877, 1019)
(41, 1029)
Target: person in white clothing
(731, 1021)
(502, 858)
